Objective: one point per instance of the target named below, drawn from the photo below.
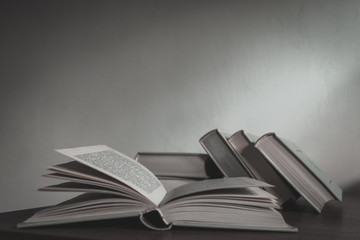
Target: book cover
(299, 171)
(215, 143)
(176, 165)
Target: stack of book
(273, 160)
(240, 183)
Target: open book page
(253, 196)
(80, 170)
(79, 173)
(96, 187)
(91, 203)
(120, 167)
(85, 207)
(236, 203)
(213, 184)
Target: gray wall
(157, 75)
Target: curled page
(120, 167)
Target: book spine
(222, 154)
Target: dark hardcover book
(298, 170)
(220, 151)
(171, 165)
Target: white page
(214, 184)
(120, 167)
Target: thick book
(230, 163)
(117, 186)
(259, 167)
(298, 170)
(175, 165)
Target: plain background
(157, 75)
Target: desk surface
(338, 221)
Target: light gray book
(298, 170)
(116, 186)
(182, 166)
(259, 167)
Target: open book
(116, 186)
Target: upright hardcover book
(259, 167)
(298, 170)
(227, 160)
(116, 186)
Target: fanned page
(120, 167)
(233, 203)
(213, 184)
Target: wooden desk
(338, 221)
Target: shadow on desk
(353, 189)
(302, 206)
